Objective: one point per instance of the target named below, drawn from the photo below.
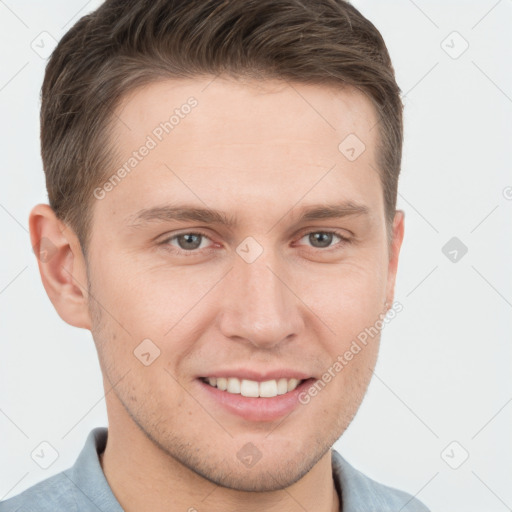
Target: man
(222, 179)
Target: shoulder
(82, 487)
(363, 494)
(53, 494)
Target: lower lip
(257, 409)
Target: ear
(397, 237)
(61, 265)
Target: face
(257, 291)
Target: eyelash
(195, 252)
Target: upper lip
(262, 376)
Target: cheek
(346, 299)
(159, 312)
(143, 302)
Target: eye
(186, 244)
(194, 243)
(324, 239)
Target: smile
(252, 388)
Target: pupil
(325, 239)
(190, 242)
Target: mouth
(254, 400)
(252, 388)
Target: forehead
(212, 139)
(256, 110)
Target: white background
(443, 373)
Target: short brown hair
(128, 43)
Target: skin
(261, 153)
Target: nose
(258, 305)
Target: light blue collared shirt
(84, 488)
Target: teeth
(249, 388)
(282, 386)
(252, 388)
(292, 384)
(268, 388)
(233, 386)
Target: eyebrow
(209, 216)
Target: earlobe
(61, 265)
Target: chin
(266, 478)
